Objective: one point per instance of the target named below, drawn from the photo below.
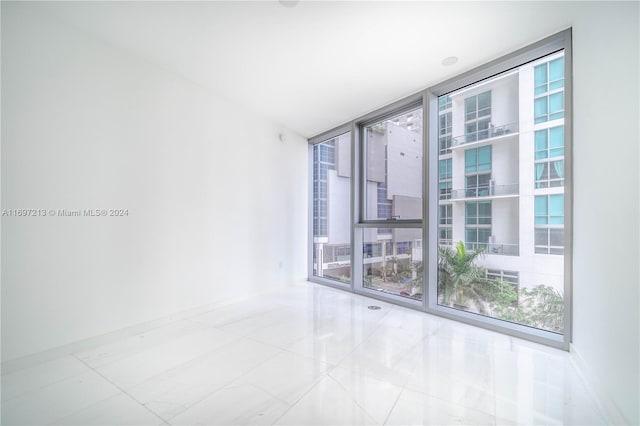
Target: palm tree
(460, 280)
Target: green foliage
(461, 282)
(541, 307)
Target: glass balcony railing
(480, 135)
(495, 248)
(503, 249)
(485, 191)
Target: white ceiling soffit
(316, 65)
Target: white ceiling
(318, 64)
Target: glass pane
(484, 104)
(556, 237)
(540, 106)
(471, 160)
(556, 136)
(556, 69)
(484, 209)
(541, 144)
(542, 236)
(540, 75)
(392, 263)
(331, 209)
(556, 102)
(470, 108)
(556, 205)
(516, 228)
(484, 158)
(541, 209)
(471, 213)
(556, 85)
(393, 176)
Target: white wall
(216, 202)
(605, 262)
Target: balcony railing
(495, 248)
(503, 249)
(480, 135)
(485, 191)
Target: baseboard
(96, 341)
(27, 361)
(607, 406)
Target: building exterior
(501, 172)
(393, 176)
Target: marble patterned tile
(141, 366)
(415, 408)
(376, 397)
(234, 405)
(287, 376)
(307, 354)
(40, 375)
(58, 400)
(120, 410)
(327, 403)
(127, 346)
(172, 392)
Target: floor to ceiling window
(508, 215)
(331, 191)
(456, 200)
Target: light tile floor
(306, 355)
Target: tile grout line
(316, 383)
(231, 383)
(353, 399)
(386, 419)
(121, 390)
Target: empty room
(320, 213)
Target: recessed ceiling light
(449, 61)
(289, 3)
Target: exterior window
(549, 76)
(446, 217)
(384, 204)
(549, 91)
(372, 250)
(445, 235)
(477, 166)
(403, 247)
(495, 210)
(392, 183)
(331, 195)
(393, 267)
(445, 125)
(323, 161)
(477, 113)
(549, 224)
(444, 103)
(445, 220)
(549, 157)
(444, 176)
(477, 224)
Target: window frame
(428, 99)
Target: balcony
(504, 249)
(488, 191)
(484, 135)
(495, 248)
